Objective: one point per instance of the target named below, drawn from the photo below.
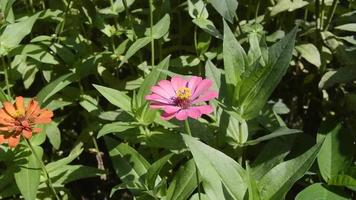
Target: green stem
(322, 11)
(152, 39)
(257, 9)
(331, 14)
(187, 129)
(6, 74)
(48, 180)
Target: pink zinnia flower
(181, 98)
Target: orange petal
(32, 108)
(20, 105)
(5, 119)
(27, 134)
(14, 141)
(10, 109)
(2, 139)
(44, 118)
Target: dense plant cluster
(177, 100)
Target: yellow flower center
(183, 93)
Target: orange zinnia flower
(16, 120)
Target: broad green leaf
(310, 53)
(154, 76)
(197, 9)
(347, 27)
(253, 193)
(14, 33)
(277, 133)
(214, 74)
(115, 97)
(183, 183)
(277, 182)
(272, 154)
(319, 191)
(28, 176)
(165, 139)
(287, 5)
(337, 150)
(54, 134)
(54, 87)
(237, 130)
(137, 45)
(115, 127)
(222, 177)
(343, 180)
(55, 165)
(69, 173)
(155, 168)
(128, 164)
(340, 75)
(257, 88)
(161, 28)
(208, 26)
(235, 60)
(226, 8)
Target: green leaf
(310, 53)
(337, 151)
(14, 33)
(277, 182)
(115, 97)
(183, 183)
(226, 8)
(287, 5)
(154, 76)
(54, 87)
(137, 45)
(343, 180)
(253, 193)
(197, 9)
(160, 29)
(115, 127)
(340, 75)
(272, 154)
(54, 134)
(222, 177)
(257, 88)
(235, 59)
(277, 133)
(53, 166)
(208, 26)
(128, 164)
(155, 168)
(347, 27)
(28, 176)
(319, 191)
(214, 74)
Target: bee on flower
(16, 120)
(182, 98)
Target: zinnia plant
(16, 120)
(182, 98)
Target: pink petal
(182, 115)
(194, 113)
(168, 116)
(202, 87)
(171, 109)
(205, 109)
(178, 82)
(206, 97)
(157, 98)
(161, 92)
(194, 82)
(167, 86)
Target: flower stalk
(45, 172)
(188, 131)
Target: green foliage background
(282, 127)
